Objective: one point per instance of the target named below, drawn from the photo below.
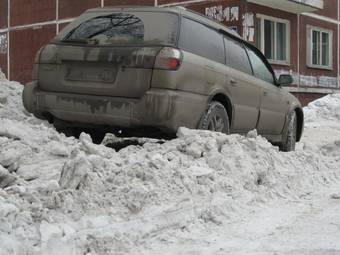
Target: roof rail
(180, 7)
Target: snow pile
(324, 109)
(2, 76)
(61, 195)
(10, 100)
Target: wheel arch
(225, 101)
(300, 123)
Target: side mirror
(285, 80)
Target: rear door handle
(233, 82)
(210, 68)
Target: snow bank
(324, 109)
(61, 195)
(2, 76)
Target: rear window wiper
(75, 40)
(91, 41)
(118, 24)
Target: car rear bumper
(161, 108)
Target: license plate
(91, 74)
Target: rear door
(246, 94)
(202, 69)
(273, 106)
(109, 54)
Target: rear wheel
(69, 132)
(215, 118)
(290, 140)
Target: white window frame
(275, 20)
(309, 33)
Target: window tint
(130, 28)
(261, 71)
(236, 56)
(201, 40)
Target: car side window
(236, 56)
(260, 69)
(201, 40)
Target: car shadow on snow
(119, 139)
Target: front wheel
(289, 143)
(215, 118)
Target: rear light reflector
(168, 59)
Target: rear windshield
(125, 28)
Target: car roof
(178, 10)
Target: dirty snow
(202, 193)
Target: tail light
(168, 59)
(36, 63)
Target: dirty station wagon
(140, 67)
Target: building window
(319, 48)
(273, 39)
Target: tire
(39, 115)
(65, 128)
(69, 132)
(215, 118)
(290, 139)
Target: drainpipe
(156, 2)
(57, 14)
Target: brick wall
(306, 98)
(3, 13)
(330, 9)
(69, 9)
(35, 38)
(233, 23)
(315, 72)
(129, 2)
(32, 11)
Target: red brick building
(300, 37)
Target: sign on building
(223, 14)
(248, 27)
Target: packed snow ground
(202, 193)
